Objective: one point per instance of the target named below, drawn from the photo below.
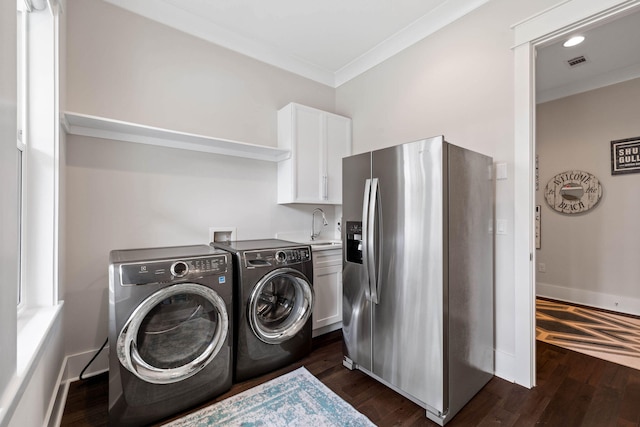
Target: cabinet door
(338, 145)
(308, 154)
(318, 140)
(327, 286)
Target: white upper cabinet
(318, 141)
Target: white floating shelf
(100, 127)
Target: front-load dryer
(170, 329)
(274, 300)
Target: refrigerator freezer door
(408, 328)
(356, 304)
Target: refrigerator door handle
(365, 236)
(374, 257)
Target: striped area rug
(601, 334)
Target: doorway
(587, 95)
(531, 35)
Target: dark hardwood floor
(573, 390)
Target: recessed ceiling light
(573, 41)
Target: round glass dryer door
(280, 305)
(174, 333)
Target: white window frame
(21, 138)
(38, 314)
(40, 140)
(21, 168)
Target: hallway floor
(610, 336)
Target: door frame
(530, 34)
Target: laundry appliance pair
(186, 322)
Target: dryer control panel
(276, 257)
(165, 271)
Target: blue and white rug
(294, 399)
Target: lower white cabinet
(327, 285)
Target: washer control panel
(276, 257)
(165, 271)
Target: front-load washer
(274, 300)
(170, 329)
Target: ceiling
(333, 41)
(612, 53)
(329, 41)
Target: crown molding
(428, 24)
(197, 26)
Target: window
(20, 140)
(31, 333)
(37, 147)
(21, 160)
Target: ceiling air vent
(573, 62)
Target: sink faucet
(314, 235)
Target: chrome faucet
(314, 235)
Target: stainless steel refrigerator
(418, 271)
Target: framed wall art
(625, 156)
(573, 192)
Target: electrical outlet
(542, 267)
(501, 171)
(501, 226)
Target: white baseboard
(59, 402)
(59, 399)
(77, 362)
(622, 304)
(69, 372)
(505, 363)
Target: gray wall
(123, 66)
(458, 82)
(591, 258)
(123, 195)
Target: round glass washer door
(174, 333)
(280, 305)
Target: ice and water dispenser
(354, 241)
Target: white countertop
(320, 244)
